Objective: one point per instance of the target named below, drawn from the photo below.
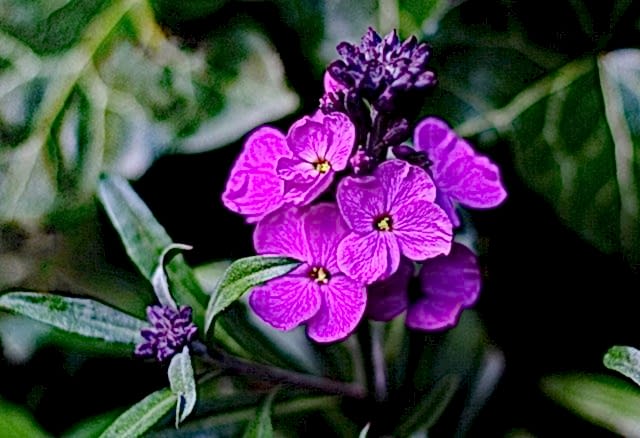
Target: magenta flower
(317, 293)
(390, 213)
(461, 175)
(448, 284)
(254, 188)
(320, 146)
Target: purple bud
(171, 329)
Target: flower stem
(379, 365)
(253, 370)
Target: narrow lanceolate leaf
(159, 278)
(183, 384)
(242, 275)
(606, 401)
(76, 315)
(141, 416)
(625, 360)
(145, 240)
(260, 426)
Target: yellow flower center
(322, 165)
(319, 275)
(384, 223)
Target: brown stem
(258, 371)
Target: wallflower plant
(355, 216)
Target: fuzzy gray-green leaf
(625, 360)
(76, 315)
(183, 384)
(159, 278)
(241, 276)
(141, 416)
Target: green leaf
(76, 315)
(365, 431)
(183, 384)
(241, 276)
(419, 16)
(620, 79)
(625, 360)
(18, 423)
(260, 426)
(92, 86)
(603, 400)
(425, 414)
(574, 135)
(92, 427)
(159, 277)
(145, 240)
(141, 416)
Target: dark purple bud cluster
(382, 70)
(171, 329)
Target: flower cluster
(388, 209)
(171, 329)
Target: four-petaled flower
(448, 284)
(171, 329)
(461, 175)
(389, 213)
(317, 293)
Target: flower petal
(388, 298)
(330, 84)
(343, 304)
(308, 139)
(370, 257)
(433, 313)
(280, 233)
(301, 191)
(404, 183)
(324, 228)
(253, 188)
(253, 193)
(361, 200)
(449, 207)
(295, 168)
(342, 135)
(469, 178)
(286, 302)
(423, 230)
(450, 283)
(455, 276)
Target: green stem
(252, 370)
(379, 364)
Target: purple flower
(382, 69)
(461, 175)
(448, 284)
(389, 213)
(254, 188)
(317, 293)
(320, 146)
(171, 329)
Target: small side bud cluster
(171, 329)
